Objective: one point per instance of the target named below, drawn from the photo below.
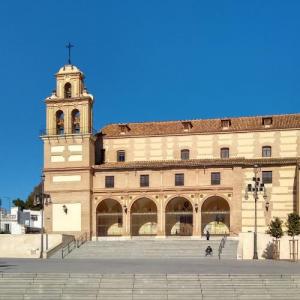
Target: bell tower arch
(69, 153)
(70, 95)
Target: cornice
(68, 100)
(196, 163)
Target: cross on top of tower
(69, 46)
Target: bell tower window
(60, 128)
(75, 121)
(68, 90)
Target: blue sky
(143, 61)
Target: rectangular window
(266, 151)
(267, 176)
(121, 155)
(224, 153)
(34, 217)
(185, 154)
(144, 180)
(215, 178)
(179, 179)
(109, 181)
(267, 121)
(225, 123)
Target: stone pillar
(161, 218)
(197, 217)
(235, 200)
(126, 220)
(94, 219)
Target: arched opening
(75, 121)
(144, 217)
(215, 216)
(60, 128)
(179, 217)
(109, 218)
(68, 90)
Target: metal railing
(65, 250)
(81, 240)
(74, 243)
(222, 245)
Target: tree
(293, 225)
(29, 203)
(30, 199)
(293, 229)
(19, 203)
(275, 228)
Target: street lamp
(256, 188)
(42, 199)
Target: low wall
(264, 246)
(26, 245)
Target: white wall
(264, 241)
(26, 245)
(66, 221)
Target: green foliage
(29, 203)
(293, 225)
(20, 203)
(275, 228)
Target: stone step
(153, 249)
(149, 286)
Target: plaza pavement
(149, 266)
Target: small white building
(19, 222)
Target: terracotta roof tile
(202, 126)
(194, 163)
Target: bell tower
(69, 153)
(69, 108)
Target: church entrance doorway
(215, 216)
(143, 217)
(109, 218)
(179, 217)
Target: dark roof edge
(197, 163)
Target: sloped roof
(197, 163)
(288, 121)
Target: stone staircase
(46, 286)
(153, 248)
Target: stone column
(94, 219)
(126, 220)
(197, 217)
(161, 218)
(235, 199)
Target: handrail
(74, 243)
(65, 250)
(82, 239)
(222, 245)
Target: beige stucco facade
(77, 164)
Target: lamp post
(42, 199)
(256, 188)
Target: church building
(160, 179)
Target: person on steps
(208, 251)
(207, 235)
